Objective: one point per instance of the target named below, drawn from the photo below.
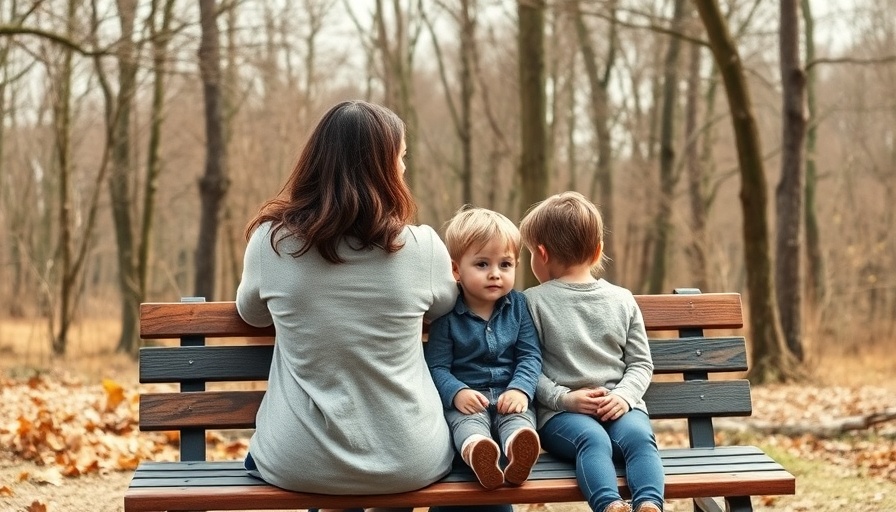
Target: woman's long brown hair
(346, 185)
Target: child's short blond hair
(569, 226)
(473, 227)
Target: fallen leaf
(36, 506)
(114, 394)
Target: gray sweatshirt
(592, 334)
(350, 406)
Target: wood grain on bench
(703, 471)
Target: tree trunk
(461, 117)
(214, 183)
(533, 157)
(789, 194)
(62, 113)
(697, 194)
(398, 60)
(160, 37)
(120, 179)
(815, 288)
(662, 223)
(600, 117)
(771, 361)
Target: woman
(334, 264)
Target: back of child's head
(472, 228)
(568, 225)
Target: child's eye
(481, 264)
(506, 264)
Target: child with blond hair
(484, 354)
(597, 362)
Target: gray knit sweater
(350, 406)
(592, 334)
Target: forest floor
(69, 442)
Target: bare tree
(697, 176)
(662, 225)
(771, 360)
(533, 160)
(815, 286)
(599, 82)
(215, 182)
(461, 111)
(789, 194)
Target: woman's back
(351, 407)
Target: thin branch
(852, 60)
(14, 30)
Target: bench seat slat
(237, 409)
(235, 363)
(240, 491)
(675, 462)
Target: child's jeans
(593, 445)
(485, 423)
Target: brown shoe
(648, 507)
(523, 449)
(618, 506)
(482, 456)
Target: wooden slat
(209, 409)
(252, 362)
(236, 409)
(698, 399)
(161, 320)
(681, 355)
(706, 311)
(211, 364)
(724, 471)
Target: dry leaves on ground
(70, 428)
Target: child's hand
(512, 400)
(469, 401)
(612, 408)
(585, 400)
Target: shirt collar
(460, 307)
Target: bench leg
(739, 504)
(732, 504)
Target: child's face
(486, 273)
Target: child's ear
(455, 269)
(597, 253)
(543, 253)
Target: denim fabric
(465, 351)
(593, 445)
(487, 423)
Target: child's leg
(581, 438)
(472, 438)
(633, 437)
(520, 442)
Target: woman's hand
(513, 401)
(469, 401)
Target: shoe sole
(523, 451)
(484, 462)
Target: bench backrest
(684, 315)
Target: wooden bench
(701, 472)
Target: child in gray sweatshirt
(596, 358)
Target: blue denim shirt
(465, 351)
